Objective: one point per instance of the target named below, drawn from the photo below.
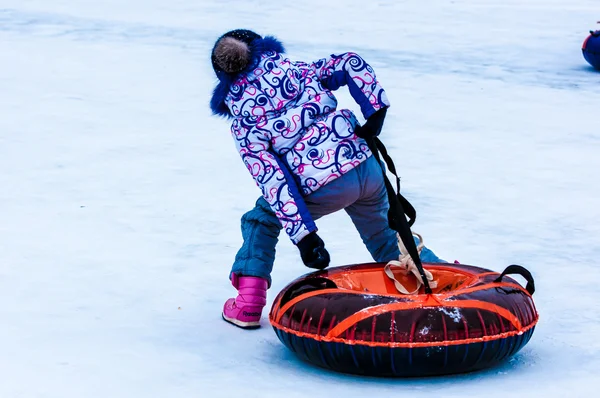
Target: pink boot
(245, 310)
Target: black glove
(372, 126)
(313, 252)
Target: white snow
(120, 195)
(455, 314)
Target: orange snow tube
(352, 319)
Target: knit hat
(237, 52)
(232, 53)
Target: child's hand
(373, 125)
(313, 252)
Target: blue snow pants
(360, 192)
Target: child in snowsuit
(309, 158)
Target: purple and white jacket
(288, 130)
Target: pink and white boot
(245, 310)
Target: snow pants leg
(360, 192)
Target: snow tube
(591, 49)
(352, 319)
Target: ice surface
(120, 195)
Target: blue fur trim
(217, 101)
(258, 47)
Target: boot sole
(241, 324)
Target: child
(309, 158)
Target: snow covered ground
(120, 195)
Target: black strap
(519, 270)
(397, 213)
(306, 285)
(409, 210)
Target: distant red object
(591, 49)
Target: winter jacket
(288, 130)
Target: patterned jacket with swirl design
(288, 130)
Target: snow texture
(120, 195)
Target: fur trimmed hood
(256, 47)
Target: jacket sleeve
(273, 177)
(351, 70)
